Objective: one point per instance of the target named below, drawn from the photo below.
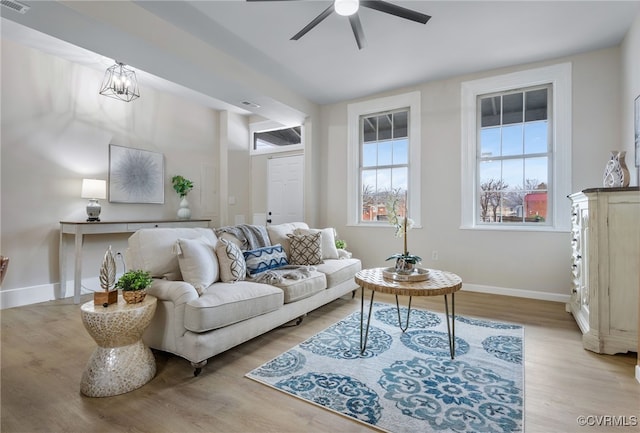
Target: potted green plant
(405, 261)
(134, 285)
(182, 186)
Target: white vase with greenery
(182, 186)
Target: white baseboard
(43, 293)
(519, 293)
(638, 372)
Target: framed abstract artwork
(636, 129)
(135, 175)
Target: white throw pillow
(278, 233)
(232, 264)
(328, 235)
(198, 262)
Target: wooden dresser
(605, 264)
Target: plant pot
(403, 266)
(134, 296)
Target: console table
(81, 228)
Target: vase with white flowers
(405, 261)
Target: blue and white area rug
(407, 382)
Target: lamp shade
(94, 188)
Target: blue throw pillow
(265, 258)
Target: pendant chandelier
(120, 83)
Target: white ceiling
(325, 65)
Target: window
(516, 150)
(384, 163)
(271, 137)
(384, 159)
(513, 156)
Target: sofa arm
(167, 326)
(178, 292)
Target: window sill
(514, 228)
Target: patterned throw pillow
(305, 249)
(265, 258)
(329, 250)
(231, 261)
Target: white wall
(630, 91)
(525, 263)
(56, 130)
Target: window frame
(559, 77)
(355, 111)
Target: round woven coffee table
(437, 283)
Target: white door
(285, 189)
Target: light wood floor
(45, 348)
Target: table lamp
(94, 189)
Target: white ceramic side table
(121, 362)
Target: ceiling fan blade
(396, 10)
(356, 26)
(317, 20)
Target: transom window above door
(271, 137)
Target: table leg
(451, 328)
(62, 264)
(363, 347)
(408, 313)
(77, 277)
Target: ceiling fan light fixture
(346, 7)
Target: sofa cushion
(278, 233)
(328, 235)
(231, 261)
(153, 250)
(305, 249)
(198, 262)
(296, 289)
(225, 303)
(338, 271)
(265, 258)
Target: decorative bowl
(418, 274)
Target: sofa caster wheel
(198, 367)
(299, 320)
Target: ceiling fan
(349, 8)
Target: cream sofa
(197, 323)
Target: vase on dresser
(184, 213)
(616, 174)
